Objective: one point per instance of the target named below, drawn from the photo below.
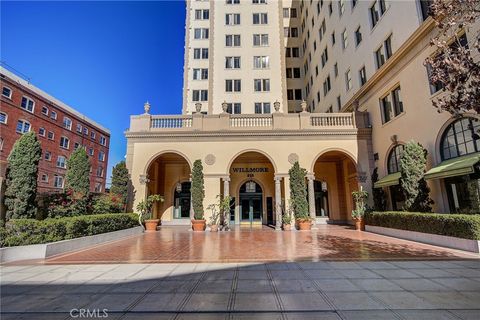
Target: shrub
(19, 232)
(107, 203)
(120, 181)
(453, 225)
(197, 190)
(298, 192)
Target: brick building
(60, 130)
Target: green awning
(389, 180)
(454, 167)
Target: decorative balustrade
(251, 121)
(332, 120)
(170, 122)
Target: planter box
(45, 250)
(434, 239)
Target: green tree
(21, 181)
(198, 190)
(379, 197)
(413, 163)
(120, 181)
(298, 192)
(78, 173)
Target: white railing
(170, 122)
(333, 120)
(251, 121)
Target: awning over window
(389, 180)
(454, 167)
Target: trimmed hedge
(19, 232)
(453, 225)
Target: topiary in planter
(298, 194)
(197, 190)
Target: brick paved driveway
(177, 244)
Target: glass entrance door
(251, 203)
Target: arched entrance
(252, 189)
(335, 180)
(251, 203)
(169, 175)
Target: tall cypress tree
(298, 191)
(120, 180)
(78, 174)
(198, 190)
(21, 181)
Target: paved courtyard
(333, 273)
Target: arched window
(461, 138)
(394, 159)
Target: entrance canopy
(454, 167)
(389, 180)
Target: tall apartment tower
(252, 53)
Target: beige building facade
(338, 86)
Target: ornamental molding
(210, 159)
(292, 158)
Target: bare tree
(455, 67)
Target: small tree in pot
(360, 197)
(298, 196)
(144, 208)
(219, 210)
(198, 194)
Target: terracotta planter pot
(199, 225)
(151, 224)
(287, 227)
(359, 224)
(214, 228)
(304, 225)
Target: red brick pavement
(178, 244)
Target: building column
(278, 203)
(192, 214)
(286, 185)
(226, 192)
(311, 199)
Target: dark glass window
(461, 137)
(394, 159)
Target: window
(202, 14)
(348, 80)
(99, 172)
(232, 1)
(376, 11)
(354, 3)
(330, 8)
(293, 12)
(335, 69)
(103, 141)
(41, 132)
(200, 33)
(391, 110)
(341, 7)
(294, 32)
(44, 177)
(232, 62)
(262, 107)
(260, 40)
(23, 126)
(425, 8)
(45, 110)
(232, 19)
(58, 181)
(92, 135)
(259, 1)
(324, 57)
(27, 104)
(234, 108)
(293, 73)
(363, 76)
(322, 30)
(199, 95)
(85, 130)
(67, 123)
(51, 135)
(339, 103)
(98, 187)
(344, 39)
(260, 18)
(200, 74)
(7, 92)
(327, 85)
(61, 162)
(232, 40)
(358, 36)
(90, 152)
(393, 159)
(384, 52)
(294, 94)
(47, 156)
(53, 115)
(333, 38)
(261, 62)
(200, 53)
(101, 156)
(1, 143)
(64, 142)
(460, 138)
(261, 85)
(79, 128)
(3, 117)
(233, 85)
(76, 146)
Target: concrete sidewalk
(297, 290)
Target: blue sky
(105, 59)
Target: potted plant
(144, 208)
(298, 197)
(360, 198)
(214, 218)
(219, 212)
(287, 220)
(198, 194)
